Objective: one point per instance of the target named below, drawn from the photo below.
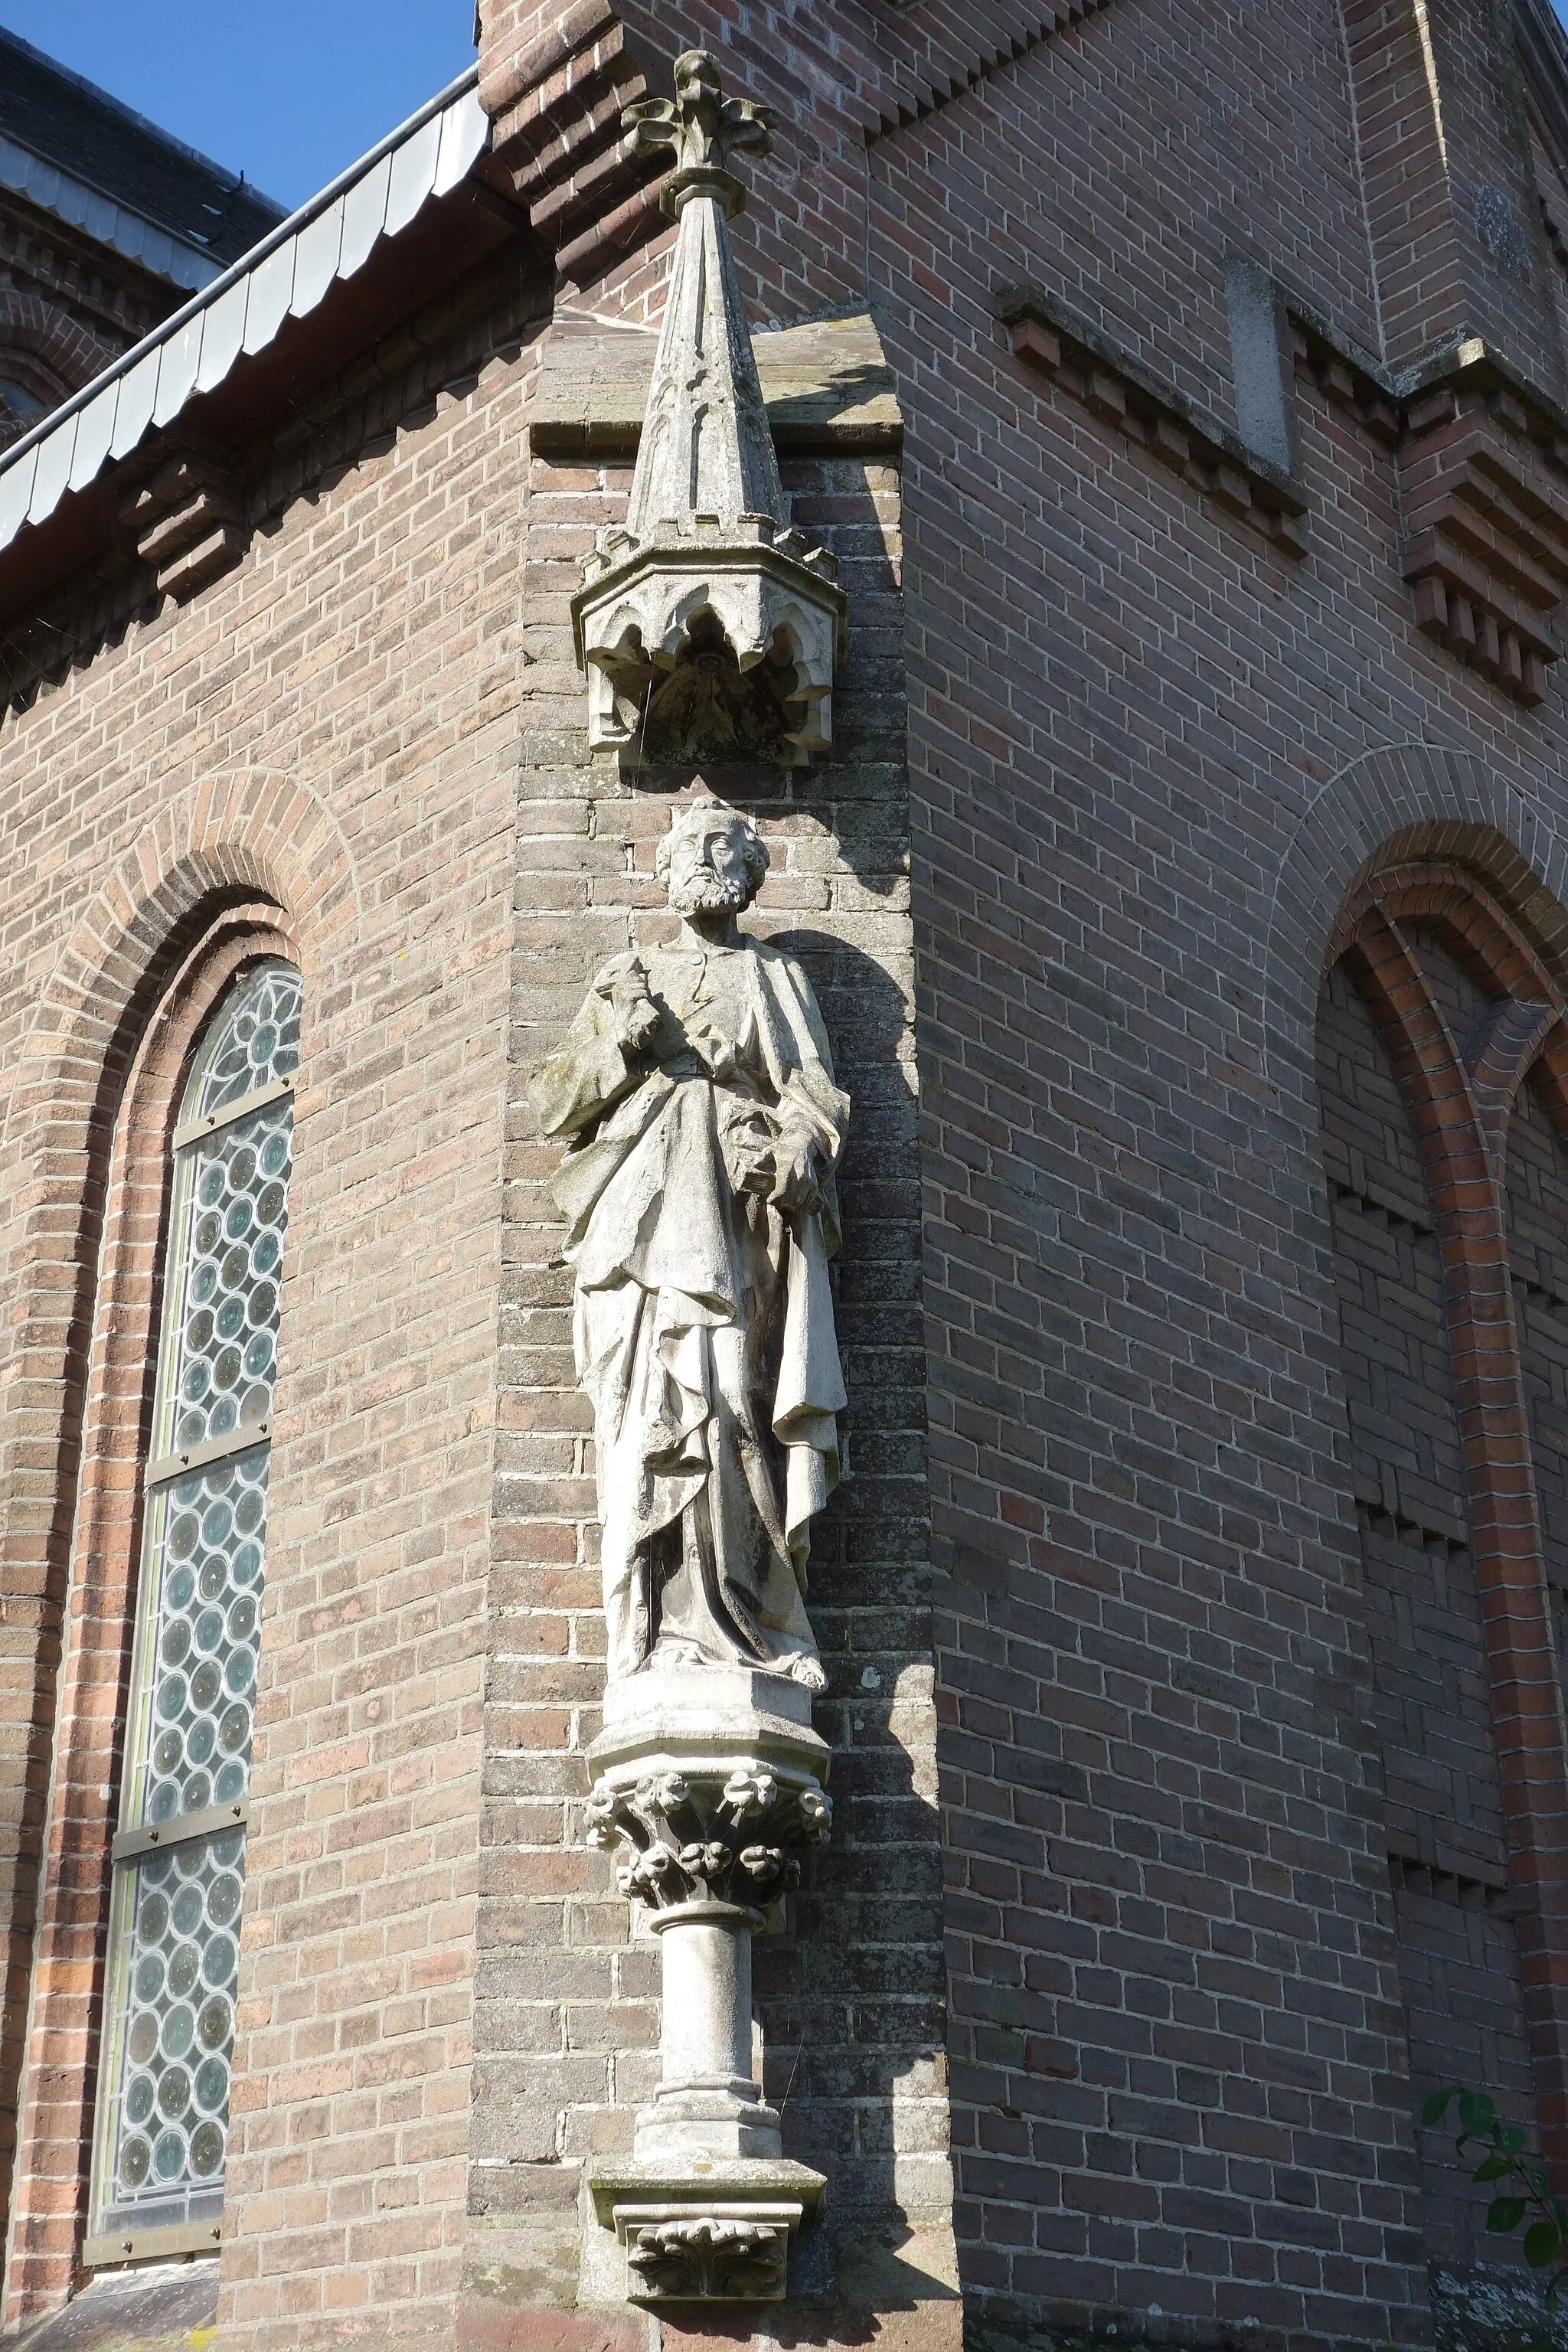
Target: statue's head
(711, 861)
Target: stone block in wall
(827, 385)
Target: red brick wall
(333, 726)
(1538, 1260)
(1149, 758)
(1177, 2032)
(1451, 193)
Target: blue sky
(288, 92)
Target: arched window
(1440, 1035)
(20, 409)
(179, 1854)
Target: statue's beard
(710, 894)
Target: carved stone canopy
(709, 627)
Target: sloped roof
(56, 127)
(241, 312)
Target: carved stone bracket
(683, 2240)
(709, 1788)
(709, 1834)
(720, 645)
(712, 2258)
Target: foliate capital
(729, 1833)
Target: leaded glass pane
(164, 2111)
(258, 1040)
(206, 1541)
(179, 1954)
(233, 1209)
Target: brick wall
(1431, 1727)
(1538, 1261)
(1452, 202)
(333, 728)
(1178, 2034)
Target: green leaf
(1554, 2289)
(1436, 2107)
(1496, 2167)
(1504, 2213)
(1477, 2114)
(1543, 2245)
(1510, 2139)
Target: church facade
(784, 1181)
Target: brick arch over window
(46, 351)
(250, 853)
(1405, 801)
(254, 833)
(1442, 1050)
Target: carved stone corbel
(708, 1784)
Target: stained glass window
(179, 1857)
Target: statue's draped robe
(703, 1323)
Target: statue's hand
(636, 1016)
(797, 1184)
(717, 1051)
(637, 1028)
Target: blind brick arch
(1432, 1716)
(1440, 1030)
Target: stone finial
(709, 628)
(702, 128)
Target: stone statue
(696, 1090)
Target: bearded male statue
(696, 1090)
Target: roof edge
(167, 329)
(112, 235)
(142, 122)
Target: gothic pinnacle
(702, 128)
